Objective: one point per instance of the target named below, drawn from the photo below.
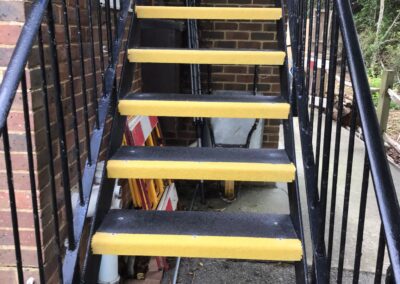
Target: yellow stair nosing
(206, 56)
(207, 13)
(192, 170)
(197, 246)
(204, 109)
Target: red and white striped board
(139, 129)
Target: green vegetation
(378, 24)
(375, 82)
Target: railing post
(384, 99)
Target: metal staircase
(270, 237)
(206, 234)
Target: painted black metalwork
(29, 151)
(109, 32)
(255, 79)
(315, 67)
(317, 232)
(13, 207)
(336, 159)
(328, 113)
(380, 256)
(309, 46)
(301, 267)
(67, 45)
(70, 265)
(384, 188)
(346, 201)
(19, 58)
(91, 262)
(375, 163)
(54, 205)
(60, 126)
(321, 94)
(100, 37)
(361, 222)
(93, 61)
(83, 80)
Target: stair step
(201, 163)
(206, 56)
(208, 13)
(218, 105)
(198, 234)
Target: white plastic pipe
(109, 270)
(108, 273)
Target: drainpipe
(108, 273)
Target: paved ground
(273, 199)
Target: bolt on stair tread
(206, 56)
(198, 234)
(201, 164)
(216, 105)
(206, 154)
(208, 13)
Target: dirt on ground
(392, 130)
(393, 127)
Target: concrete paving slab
(372, 220)
(272, 198)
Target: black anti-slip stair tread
(239, 98)
(270, 156)
(198, 223)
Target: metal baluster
(329, 116)
(361, 220)
(255, 79)
(61, 128)
(380, 257)
(51, 156)
(94, 70)
(83, 81)
(317, 233)
(346, 201)
(315, 68)
(309, 45)
(336, 159)
(29, 151)
(72, 97)
(109, 33)
(13, 206)
(322, 85)
(100, 36)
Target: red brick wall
(244, 35)
(12, 16)
(234, 35)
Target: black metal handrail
(383, 181)
(19, 58)
(363, 112)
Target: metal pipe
(19, 59)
